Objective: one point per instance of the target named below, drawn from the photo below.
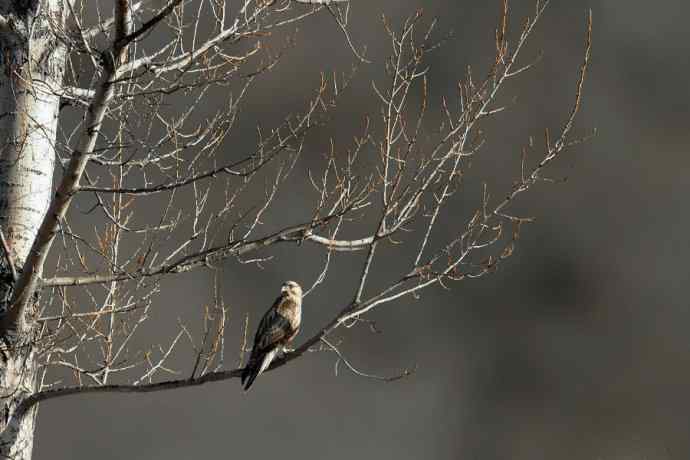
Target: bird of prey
(279, 325)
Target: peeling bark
(32, 60)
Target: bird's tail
(250, 372)
(256, 365)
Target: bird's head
(292, 288)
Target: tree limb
(302, 232)
(93, 31)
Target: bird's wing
(273, 328)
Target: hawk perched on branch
(279, 325)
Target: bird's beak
(284, 288)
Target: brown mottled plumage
(279, 325)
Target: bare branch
(124, 37)
(201, 259)
(103, 26)
(359, 373)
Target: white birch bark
(31, 61)
(28, 121)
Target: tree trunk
(32, 61)
(17, 381)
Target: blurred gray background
(575, 349)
